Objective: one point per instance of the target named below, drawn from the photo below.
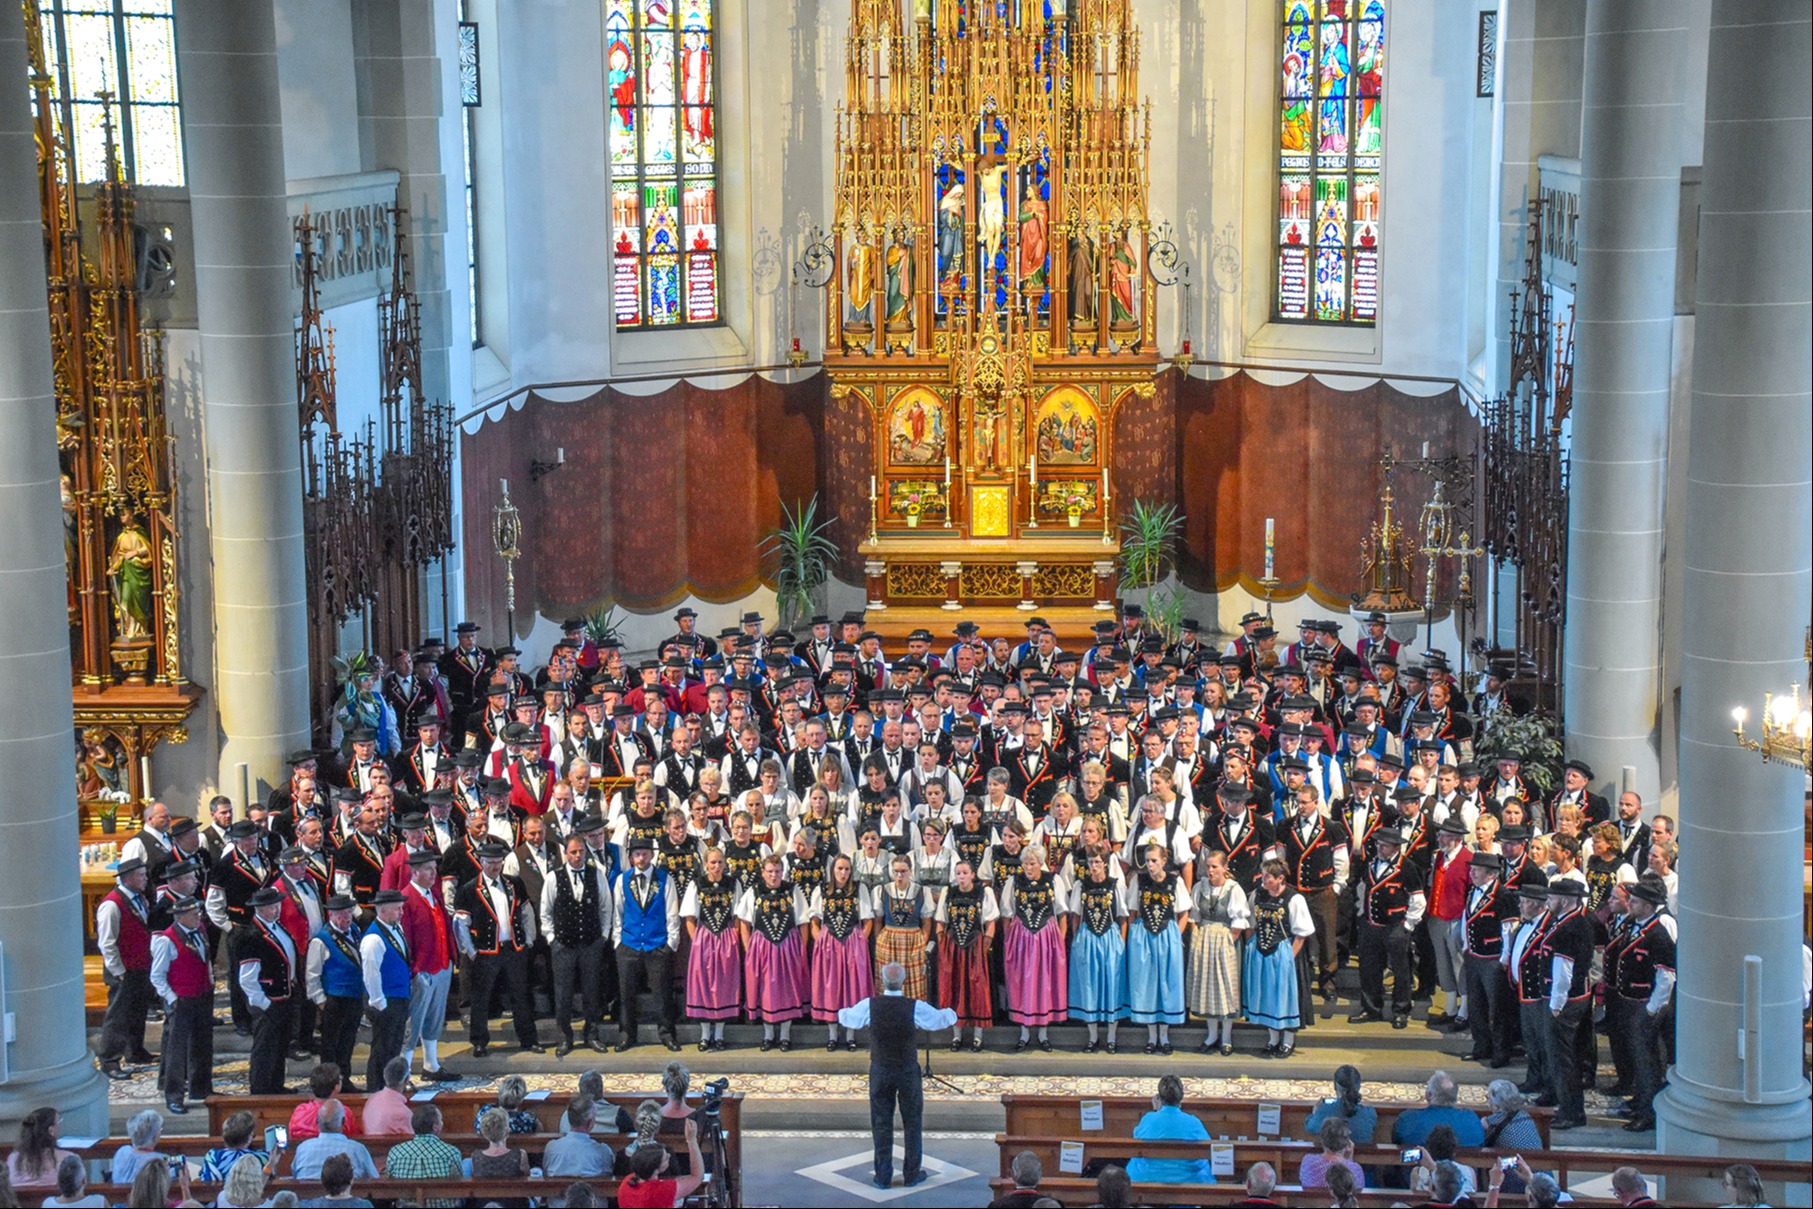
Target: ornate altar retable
(992, 305)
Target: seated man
(387, 1110)
(1412, 1127)
(1168, 1122)
(577, 1153)
(330, 1141)
(323, 1085)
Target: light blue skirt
(1155, 975)
(1098, 976)
(1268, 985)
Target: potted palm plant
(803, 556)
(1149, 539)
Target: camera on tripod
(712, 1096)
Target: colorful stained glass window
(1332, 64)
(126, 48)
(663, 153)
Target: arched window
(1330, 139)
(659, 58)
(128, 49)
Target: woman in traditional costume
(1034, 959)
(966, 917)
(1098, 955)
(841, 923)
(714, 965)
(1158, 902)
(1218, 918)
(774, 961)
(1270, 989)
(905, 914)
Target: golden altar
(991, 304)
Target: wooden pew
(507, 1191)
(1071, 1190)
(1224, 1117)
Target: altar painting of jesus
(916, 431)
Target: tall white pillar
(47, 1061)
(1630, 169)
(233, 131)
(1737, 1088)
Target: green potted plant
(108, 813)
(803, 555)
(601, 624)
(1149, 539)
(1531, 738)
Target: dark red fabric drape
(668, 495)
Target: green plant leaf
(803, 554)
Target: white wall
(315, 72)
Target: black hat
(1378, 617)
(1467, 768)
(423, 856)
(497, 787)
(1579, 766)
(1514, 757)
(413, 821)
(965, 629)
(264, 897)
(1567, 887)
(1391, 760)
(502, 651)
(241, 829)
(1406, 793)
(1037, 621)
(641, 843)
(304, 756)
(1362, 776)
(588, 823)
(497, 688)
(963, 728)
(1388, 835)
(385, 898)
(833, 689)
(681, 613)
(1489, 861)
(1452, 825)
(182, 827)
(1650, 889)
(1265, 631)
(341, 902)
(427, 720)
(129, 865)
(176, 869)
(1422, 717)
(1414, 671)
(469, 757)
(467, 627)
(623, 710)
(492, 851)
(919, 636)
(1230, 792)
(292, 855)
(1132, 610)
(185, 904)
(519, 732)
(340, 793)
(1533, 892)
(819, 619)
(361, 734)
(1383, 659)
(1298, 763)
(752, 618)
(1514, 833)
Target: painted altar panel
(917, 428)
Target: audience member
(1447, 1187)
(1629, 1186)
(425, 1156)
(235, 1144)
(1168, 1122)
(36, 1160)
(1743, 1187)
(650, 1185)
(1440, 1108)
(577, 1153)
(1112, 1188)
(286, 1199)
(330, 1119)
(72, 1186)
(1261, 1182)
(244, 1187)
(323, 1085)
(151, 1187)
(1438, 1148)
(387, 1109)
(1508, 1126)
(498, 1159)
(337, 1185)
(511, 1091)
(1362, 1119)
(675, 1081)
(140, 1151)
(1027, 1172)
(1342, 1184)
(580, 1195)
(1337, 1151)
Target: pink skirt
(714, 975)
(1038, 974)
(775, 978)
(840, 974)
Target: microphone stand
(926, 1071)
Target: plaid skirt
(907, 946)
(1214, 972)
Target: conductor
(891, 1018)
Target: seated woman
(72, 1186)
(35, 1161)
(1362, 1119)
(650, 1182)
(235, 1144)
(511, 1090)
(1168, 1122)
(498, 1160)
(1337, 1151)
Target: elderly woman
(72, 1186)
(1509, 1126)
(498, 1160)
(1034, 957)
(142, 1132)
(1336, 1140)
(511, 1091)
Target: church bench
(1073, 1190)
(1224, 1117)
(506, 1191)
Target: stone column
(1630, 167)
(233, 131)
(41, 894)
(1749, 512)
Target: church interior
(1264, 543)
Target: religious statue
(861, 279)
(922, 10)
(1120, 286)
(1034, 221)
(950, 235)
(100, 766)
(695, 87)
(1082, 279)
(129, 576)
(991, 210)
(361, 706)
(900, 285)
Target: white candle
(947, 470)
(871, 488)
(1032, 469)
(1425, 451)
(1104, 484)
(144, 777)
(503, 485)
(1269, 538)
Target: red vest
(428, 932)
(135, 936)
(190, 976)
(1449, 885)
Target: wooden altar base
(1071, 622)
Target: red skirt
(963, 983)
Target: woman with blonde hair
(244, 1187)
(1034, 958)
(498, 1160)
(1219, 919)
(842, 919)
(769, 915)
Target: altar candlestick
(1104, 484)
(947, 470)
(1032, 470)
(871, 489)
(1269, 541)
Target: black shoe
(624, 1042)
(975, 1044)
(1111, 1048)
(717, 1045)
(1528, 1088)
(1045, 1044)
(1227, 1049)
(175, 1106)
(1151, 1047)
(242, 1030)
(112, 1071)
(1270, 1050)
(142, 1058)
(881, 1183)
(1621, 1089)
(1439, 1020)
(671, 1042)
(956, 1045)
(1208, 1047)
(443, 1075)
(767, 1044)
(480, 1048)
(786, 1045)
(1364, 1017)
(1642, 1124)
(564, 1048)
(1285, 1051)
(705, 1045)
(1500, 1061)
(1476, 1056)
(1463, 1025)
(918, 1177)
(1092, 1047)
(1545, 1101)
(1164, 1047)
(1019, 1047)
(852, 1045)
(596, 1042)
(1567, 1123)
(1400, 1022)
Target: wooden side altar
(992, 305)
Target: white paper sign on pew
(1070, 1158)
(1092, 1114)
(1270, 1116)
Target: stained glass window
(1329, 143)
(128, 49)
(663, 152)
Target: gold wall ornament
(120, 536)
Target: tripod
(926, 1072)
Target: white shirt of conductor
(925, 1016)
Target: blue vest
(393, 971)
(644, 928)
(341, 976)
